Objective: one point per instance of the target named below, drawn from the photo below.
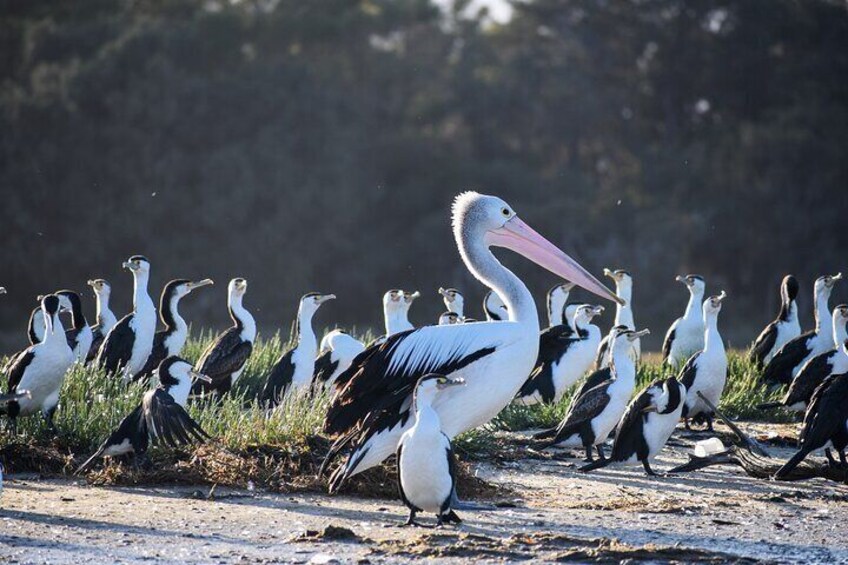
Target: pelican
(372, 408)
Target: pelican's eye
(505, 212)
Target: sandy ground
(713, 516)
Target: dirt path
(714, 516)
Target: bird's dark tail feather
(597, 464)
(545, 434)
(790, 465)
(769, 405)
(90, 461)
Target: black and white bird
(105, 318)
(79, 335)
(686, 334)
(594, 414)
(35, 333)
(784, 328)
(372, 407)
(128, 345)
(337, 351)
(426, 464)
(494, 307)
(448, 318)
(295, 368)
(396, 304)
(647, 424)
(40, 369)
(706, 370)
(171, 340)
(623, 316)
(454, 301)
(224, 360)
(557, 301)
(161, 416)
(817, 369)
(36, 325)
(564, 357)
(825, 424)
(791, 357)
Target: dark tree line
(317, 145)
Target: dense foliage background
(317, 145)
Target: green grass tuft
(92, 405)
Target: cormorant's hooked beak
(444, 293)
(721, 296)
(633, 336)
(608, 273)
(568, 286)
(197, 284)
(834, 278)
(130, 266)
(326, 297)
(410, 296)
(451, 382)
(524, 240)
(682, 279)
(597, 310)
(200, 376)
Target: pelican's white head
(488, 219)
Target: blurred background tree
(317, 146)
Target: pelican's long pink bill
(521, 238)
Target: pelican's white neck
(482, 263)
